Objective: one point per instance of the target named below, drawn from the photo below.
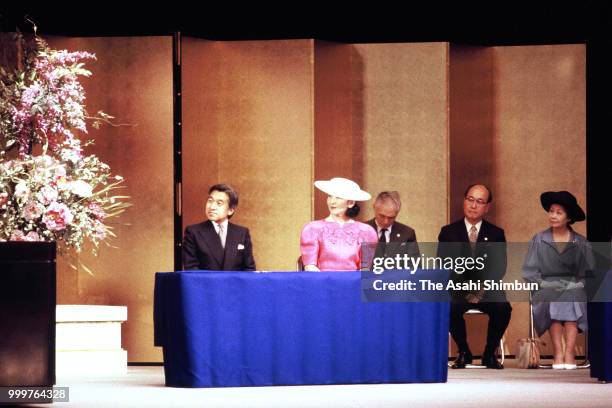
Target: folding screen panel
(132, 80)
(403, 117)
(472, 159)
(539, 143)
(338, 139)
(248, 122)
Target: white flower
(44, 161)
(47, 195)
(22, 191)
(81, 188)
(70, 155)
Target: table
(222, 329)
(600, 340)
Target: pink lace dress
(336, 247)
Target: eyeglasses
(479, 201)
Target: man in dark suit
(386, 208)
(217, 244)
(473, 237)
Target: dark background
(492, 24)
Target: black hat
(566, 200)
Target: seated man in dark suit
(386, 208)
(217, 244)
(474, 237)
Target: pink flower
(18, 235)
(3, 198)
(52, 103)
(99, 232)
(57, 217)
(32, 210)
(60, 172)
(97, 211)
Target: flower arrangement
(50, 190)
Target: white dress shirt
(468, 226)
(223, 236)
(387, 233)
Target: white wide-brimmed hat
(342, 188)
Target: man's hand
(475, 297)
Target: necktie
(473, 236)
(221, 236)
(383, 236)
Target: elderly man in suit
(474, 237)
(217, 244)
(386, 208)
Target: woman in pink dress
(334, 244)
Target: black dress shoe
(490, 361)
(463, 358)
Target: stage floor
(511, 387)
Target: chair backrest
(299, 264)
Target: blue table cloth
(221, 329)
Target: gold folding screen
(270, 117)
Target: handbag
(528, 355)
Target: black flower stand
(27, 314)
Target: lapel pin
(398, 235)
(486, 239)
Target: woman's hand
(311, 268)
(552, 285)
(569, 285)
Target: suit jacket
(455, 243)
(403, 236)
(202, 248)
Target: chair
(501, 342)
